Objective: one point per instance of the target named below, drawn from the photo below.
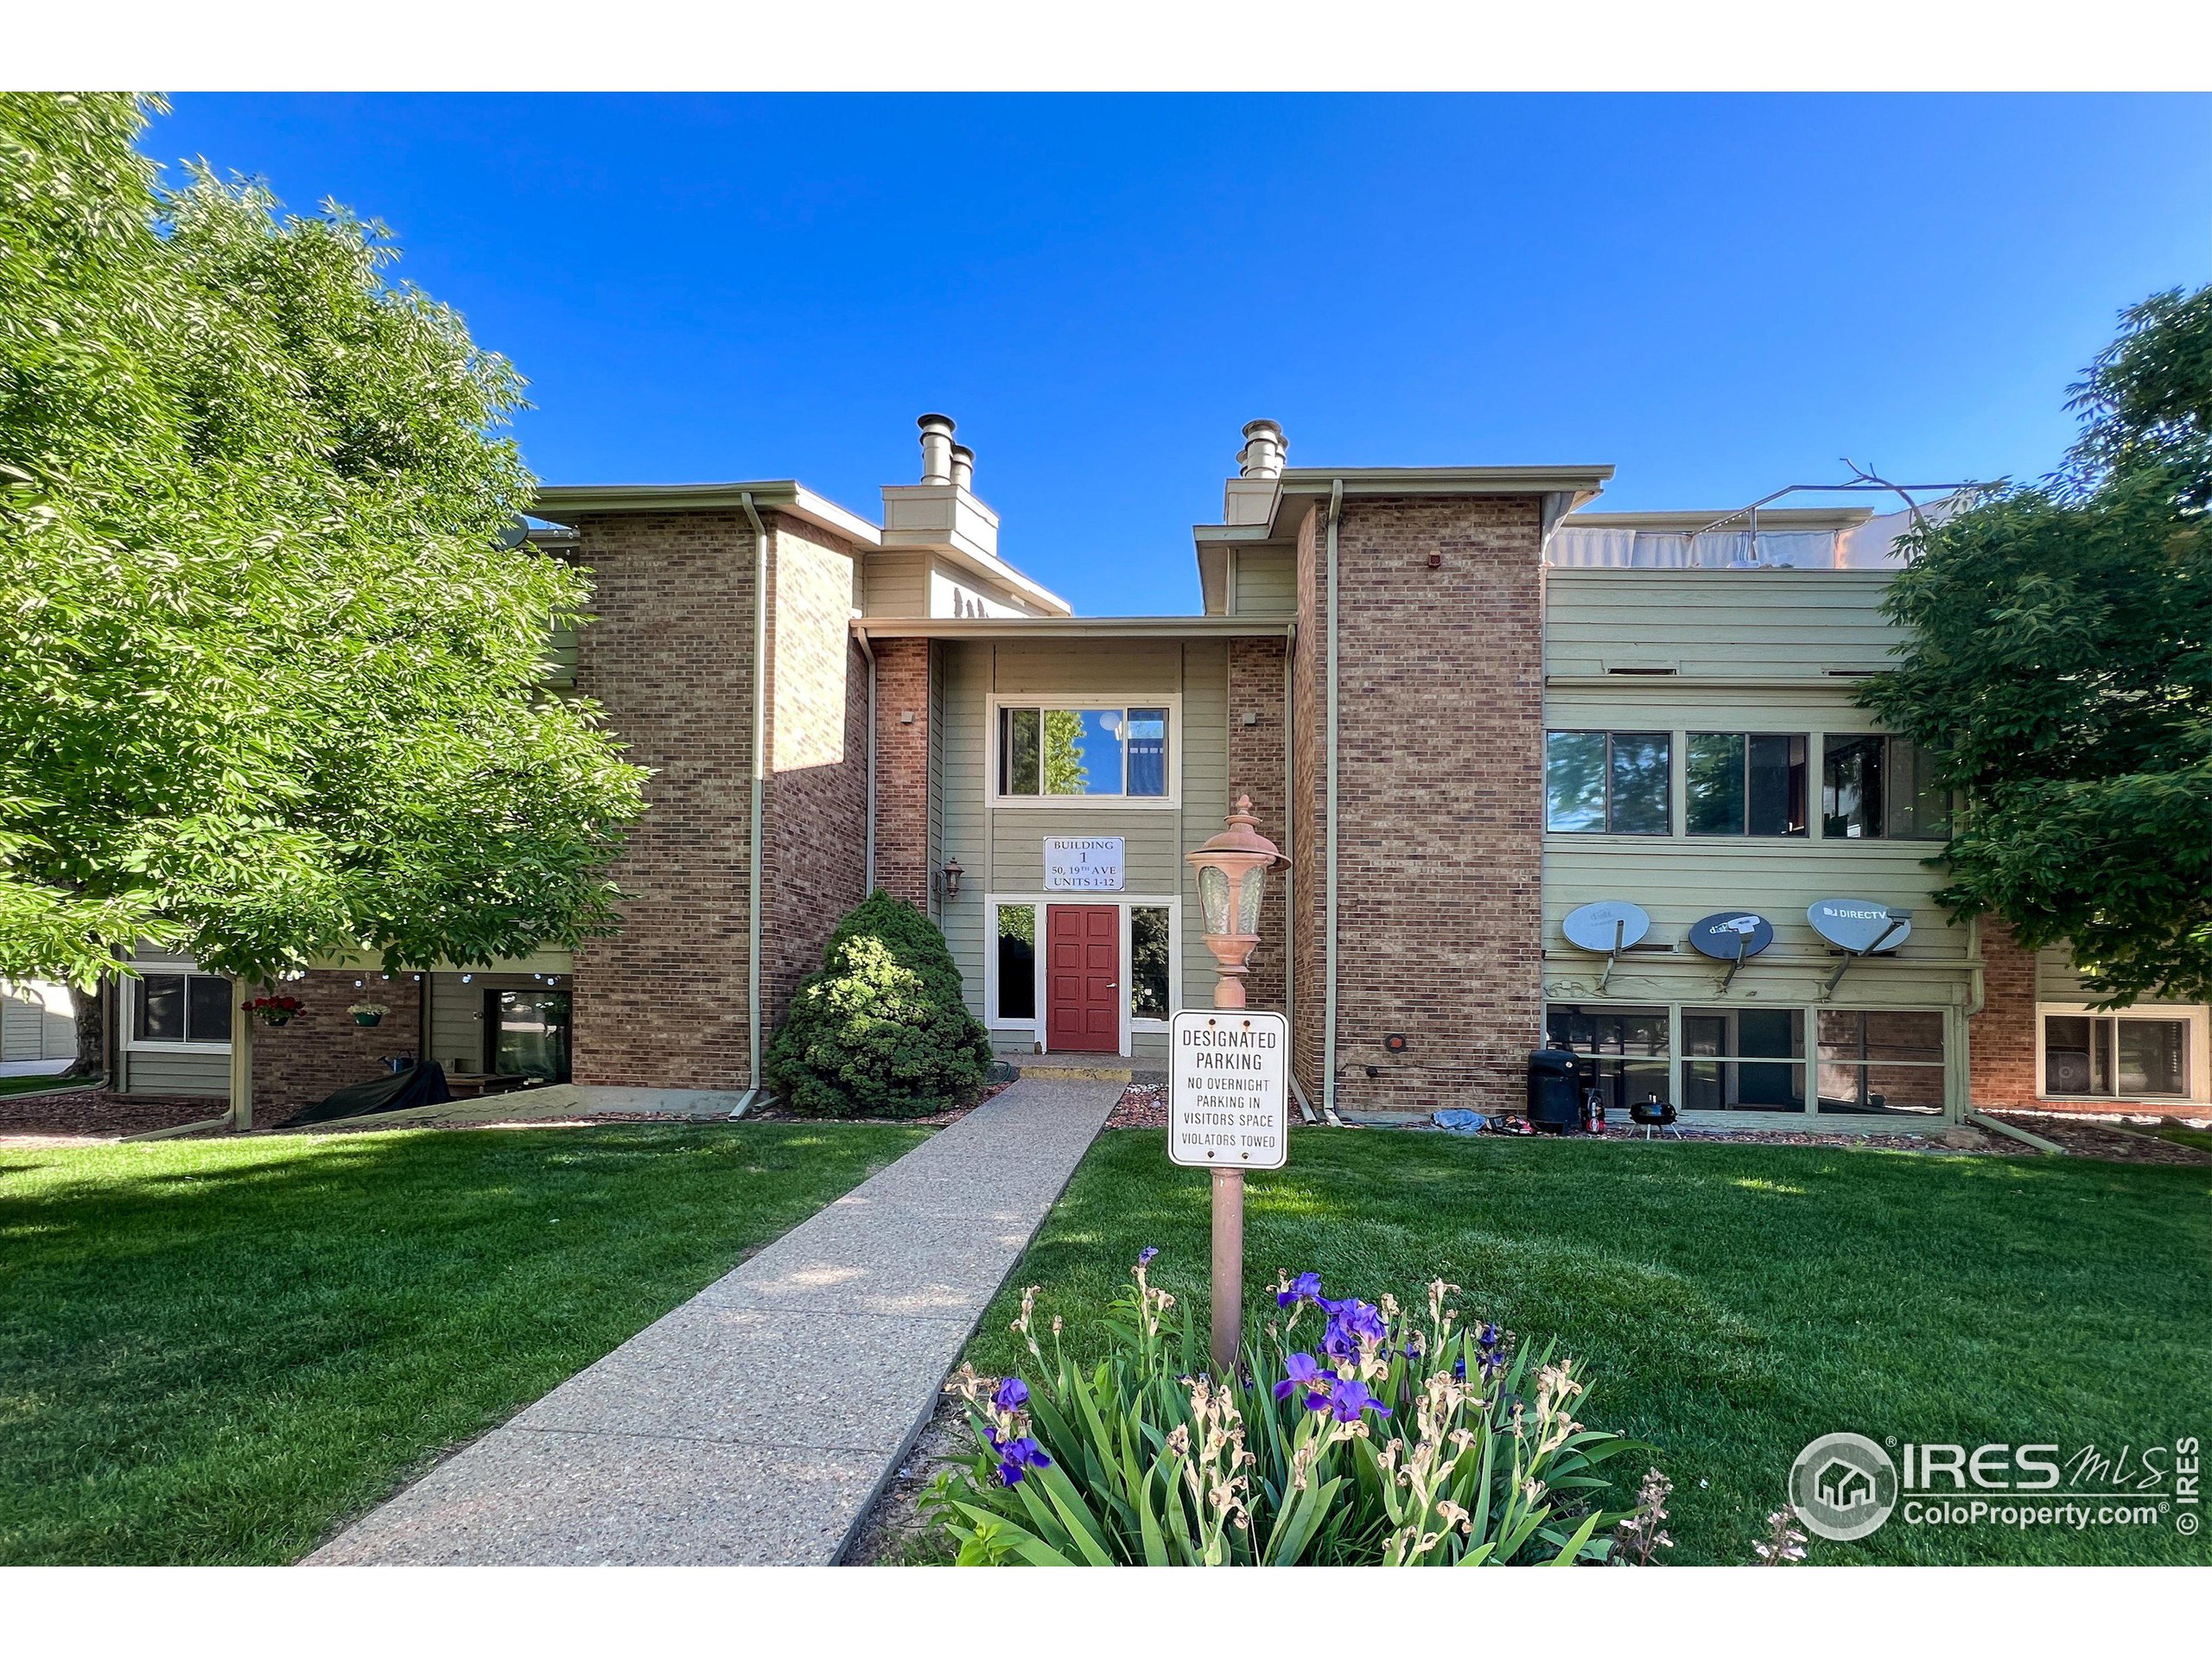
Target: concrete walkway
(755, 1424)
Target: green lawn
(1730, 1302)
(2200, 1139)
(214, 1351)
(36, 1083)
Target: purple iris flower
(1013, 1394)
(1352, 1322)
(1145, 1255)
(1349, 1399)
(1304, 1371)
(1307, 1287)
(1459, 1370)
(1017, 1455)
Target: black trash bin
(1555, 1090)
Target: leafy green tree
(1064, 770)
(881, 1030)
(2059, 659)
(268, 685)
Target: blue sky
(1718, 295)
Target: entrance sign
(1083, 863)
(1227, 1090)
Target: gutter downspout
(1329, 923)
(868, 651)
(1994, 1126)
(760, 791)
(1290, 871)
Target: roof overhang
(1216, 542)
(990, 568)
(1072, 627)
(564, 503)
(1300, 485)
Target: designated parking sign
(1227, 1090)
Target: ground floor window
(1626, 1048)
(1148, 962)
(2115, 1057)
(1744, 1060)
(176, 1003)
(529, 1033)
(1015, 943)
(1881, 1061)
(1872, 1062)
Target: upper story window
(1119, 750)
(174, 1002)
(1607, 783)
(1745, 784)
(1873, 786)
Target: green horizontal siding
(1723, 623)
(1264, 582)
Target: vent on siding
(1641, 670)
(1851, 673)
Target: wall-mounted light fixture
(949, 880)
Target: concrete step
(1073, 1071)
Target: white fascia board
(564, 502)
(1580, 483)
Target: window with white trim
(2086, 1056)
(175, 1004)
(1089, 751)
(1016, 978)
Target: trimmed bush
(881, 1030)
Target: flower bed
(1394, 1440)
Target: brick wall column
(1439, 862)
(669, 657)
(1256, 769)
(902, 769)
(2001, 1039)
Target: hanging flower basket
(275, 1010)
(367, 1014)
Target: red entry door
(1082, 978)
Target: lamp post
(1232, 880)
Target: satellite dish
(1732, 935)
(1859, 926)
(1608, 925)
(515, 533)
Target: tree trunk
(91, 1031)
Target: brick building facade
(1491, 629)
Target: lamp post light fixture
(1232, 880)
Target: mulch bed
(1142, 1106)
(2110, 1142)
(98, 1112)
(896, 1533)
(935, 1121)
